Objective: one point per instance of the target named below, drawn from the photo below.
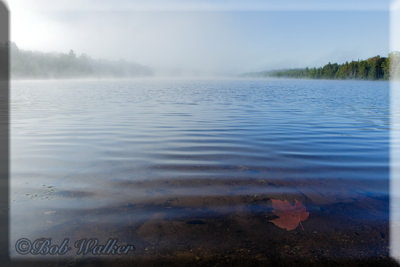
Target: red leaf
(290, 216)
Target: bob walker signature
(85, 246)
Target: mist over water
(204, 42)
(143, 131)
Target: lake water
(189, 168)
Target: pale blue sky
(216, 36)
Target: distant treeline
(38, 65)
(375, 68)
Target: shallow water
(189, 167)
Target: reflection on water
(189, 168)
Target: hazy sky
(208, 36)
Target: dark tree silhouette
(375, 68)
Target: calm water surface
(191, 166)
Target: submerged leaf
(290, 216)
